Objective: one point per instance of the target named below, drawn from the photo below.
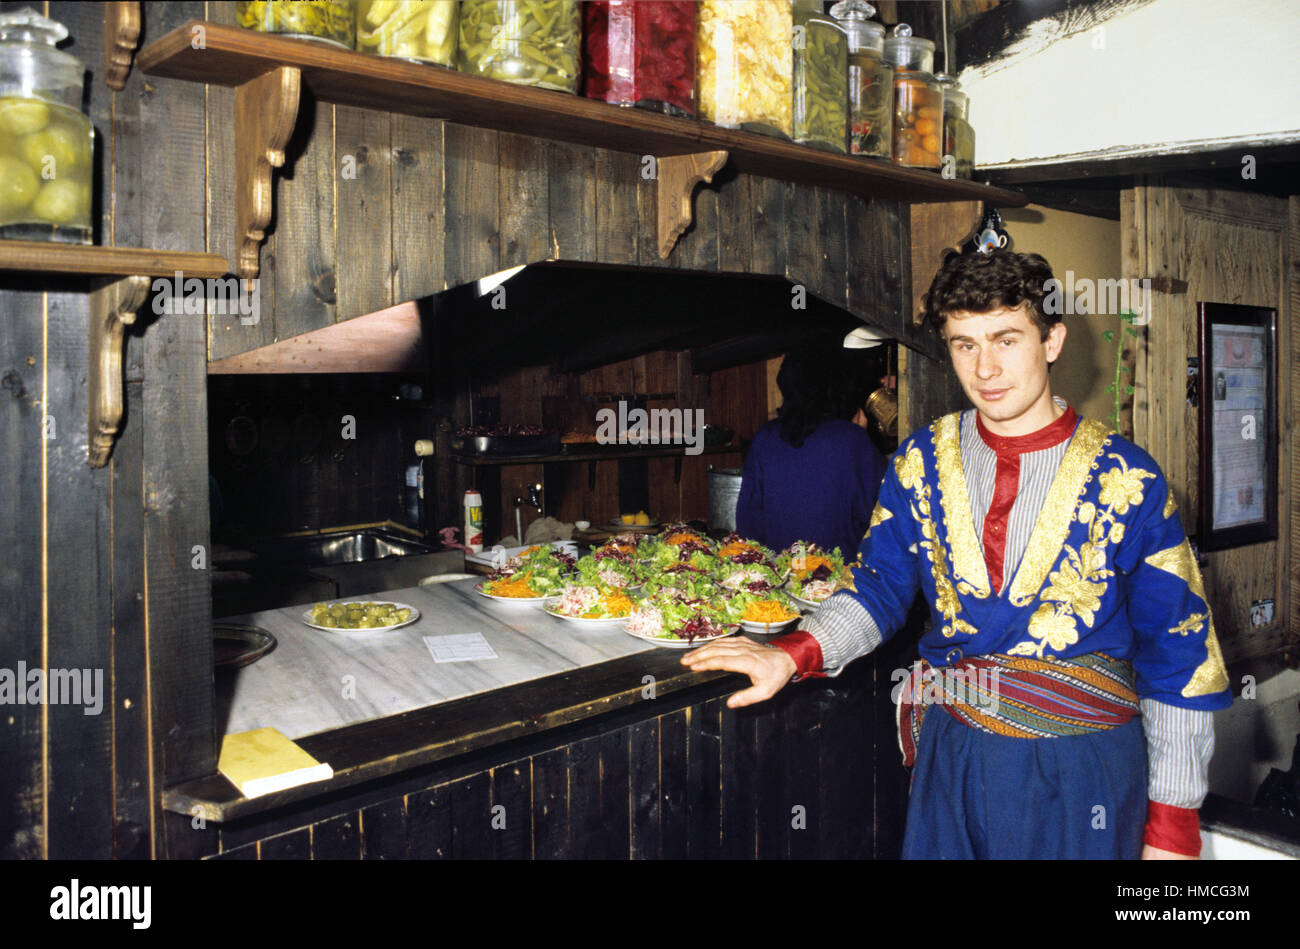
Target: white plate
(593, 622)
(752, 626)
(806, 604)
(415, 615)
(513, 600)
(678, 643)
(617, 528)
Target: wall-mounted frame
(1238, 425)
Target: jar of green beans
(334, 21)
(419, 30)
(533, 42)
(821, 49)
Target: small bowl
(582, 525)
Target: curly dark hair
(978, 283)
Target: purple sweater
(823, 492)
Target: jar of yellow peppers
(45, 139)
(328, 22)
(419, 30)
(534, 42)
(745, 65)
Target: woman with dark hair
(812, 473)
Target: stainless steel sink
(325, 550)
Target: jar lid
(28, 26)
(855, 18)
(904, 49)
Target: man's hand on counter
(768, 668)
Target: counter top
(404, 710)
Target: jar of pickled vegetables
(821, 76)
(419, 30)
(958, 134)
(745, 70)
(871, 80)
(641, 53)
(533, 42)
(46, 141)
(918, 100)
(328, 22)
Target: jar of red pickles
(918, 100)
(871, 80)
(641, 53)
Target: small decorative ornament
(990, 236)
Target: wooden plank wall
(1230, 247)
(795, 777)
(102, 577)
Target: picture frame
(1237, 417)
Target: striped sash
(1019, 697)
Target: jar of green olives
(821, 75)
(327, 21)
(46, 141)
(958, 134)
(918, 100)
(871, 80)
(533, 42)
(420, 30)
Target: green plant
(1121, 389)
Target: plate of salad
(814, 573)
(769, 612)
(674, 620)
(587, 605)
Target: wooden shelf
(600, 454)
(44, 257)
(231, 56)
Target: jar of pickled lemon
(46, 141)
(745, 65)
(420, 30)
(327, 21)
(532, 42)
(918, 100)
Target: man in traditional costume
(1062, 705)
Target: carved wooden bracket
(112, 308)
(266, 109)
(678, 175)
(121, 33)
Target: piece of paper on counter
(459, 647)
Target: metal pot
(724, 495)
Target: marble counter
(316, 680)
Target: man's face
(1001, 360)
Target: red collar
(1051, 434)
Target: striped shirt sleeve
(1180, 743)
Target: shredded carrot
(768, 611)
(516, 586)
(616, 604)
(811, 563)
(735, 547)
(678, 539)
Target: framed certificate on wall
(1238, 425)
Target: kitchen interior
(450, 313)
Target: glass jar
(744, 73)
(918, 100)
(958, 134)
(531, 42)
(871, 80)
(46, 141)
(327, 22)
(641, 53)
(820, 80)
(420, 30)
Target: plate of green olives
(354, 616)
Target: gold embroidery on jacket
(968, 566)
(1076, 587)
(911, 473)
(1210, 676)
(1053, 525)
(1170, 507)
(879, 516)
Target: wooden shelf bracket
(121, 33)
(678, 177)
(266, 109)
(113, 307)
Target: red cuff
(805, 651)
(1176, 829)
